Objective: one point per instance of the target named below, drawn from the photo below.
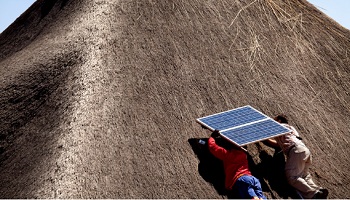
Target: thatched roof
(99, 97)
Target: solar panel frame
(242, 118)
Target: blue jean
(249, 187)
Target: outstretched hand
(215, 134)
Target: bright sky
(339, 10)
(10, 10)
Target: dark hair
(282, 118)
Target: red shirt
(235, 162)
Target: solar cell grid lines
(255, 132)
(231, 118)
(243, 125)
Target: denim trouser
(249, 187)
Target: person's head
(281, 118)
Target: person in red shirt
(237, 174)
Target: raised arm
(215, 149)
(271, 143)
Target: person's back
(237, 174)
(235, 162)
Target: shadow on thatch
(34, 106)
(47, 6)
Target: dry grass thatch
(99, 97)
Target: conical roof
(99, 97)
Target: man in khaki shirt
(298, 162)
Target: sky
(339, 10)
(10, 10)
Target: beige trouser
(297, 171)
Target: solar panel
(243, 125)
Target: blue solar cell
(244, 125)
(232, 118)
(255, 132)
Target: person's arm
(271, 143)
(295, 132)
(215, 149)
